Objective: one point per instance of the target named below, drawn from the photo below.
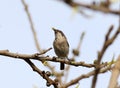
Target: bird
(61, 46)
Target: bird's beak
(53, 29)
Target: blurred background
(16, 36)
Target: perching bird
(61, 46)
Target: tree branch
(77, 79)
(43, 74)
(92, 7)
(108, 41)
(115, 74)
(37, 56)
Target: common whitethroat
(61, 46)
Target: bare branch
(77, 79)
(37, 56)
(43, 52)
(22, 56)
(92, 7)
(43, 74)
(108, 41)
(109, 31)
(115, 74)
(32, 25)
(76, 51)
(27, 58)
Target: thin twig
(43, 52)
(76, 51)
(32, 26)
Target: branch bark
(92, 7)
(115, 74)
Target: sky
(16, 36)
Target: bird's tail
(62, 66)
